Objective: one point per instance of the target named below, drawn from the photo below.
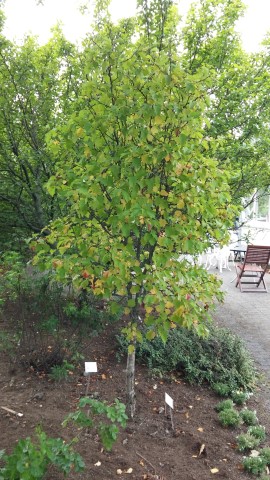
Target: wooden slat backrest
(257, 254)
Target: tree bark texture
(131, 403)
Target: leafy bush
(61, 372)
(110, 414)
(249, 417)
(224, 405)
(229, 418)
(246, 441)
(29, 461)
(219, 358)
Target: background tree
(239, 103)
(36, 88)
(139, 190)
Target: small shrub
(29, 461)
(249, 417)
(239, 397)
(224, 405)
(254, 465)
(112, 414)
(229, 418)
(221, 389)
(61, 372)
(257, 431)
(246, 441)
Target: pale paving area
(248, 315)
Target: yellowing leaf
(87, 152)
(154, 130)
(79, 132)
(158, 120)
(150, 335)
(164, 193)
(180, 310)
(162, 222)
(202, 448)
(180, 203)
(131, 348)
(148, 309)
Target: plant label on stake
(90, 367)
(169, 402)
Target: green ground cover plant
(249, 417)
(229, 418)
(220, 359)
(224, 405)
(246, 441)
(258, 431)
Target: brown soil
(148, 445)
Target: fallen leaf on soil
(194, 456)
(129, 470)
(141, 463)
(154, 387)
(186, 415)
(103, 376)
(202, 448)
(119, 471)
(98, 464)
(200, 429)
(254, 453)
(214, 470)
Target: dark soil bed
(148, 445)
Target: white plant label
(90, 367)
(168, 400)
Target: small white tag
(90, 367)
(168, 400)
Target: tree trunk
(130, 384)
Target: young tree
(141, 195)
